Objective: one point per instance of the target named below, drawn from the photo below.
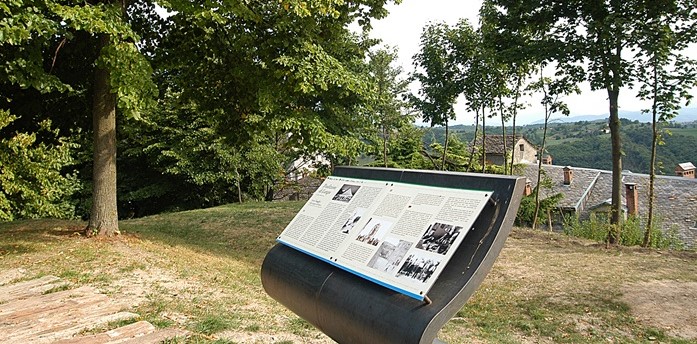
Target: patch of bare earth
(137, 285)
(665, 304)
(8, 276)
(263, 338)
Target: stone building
(523, 151)
(587, 191)
(686, 170)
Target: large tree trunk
(103, 215)
(613, 89)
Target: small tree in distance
(388, 106)
(552, 91)
(437, 74)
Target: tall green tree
(389, 90)
(437, 75)
(294, 85)
(466, 43)
(87, 55)
(592, 40)
(552, 92)
(666, 76)
(500, 72)
(514, 55)
(33, 36)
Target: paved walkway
(38, 311)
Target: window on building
(521, 147)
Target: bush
(32, 179)
(526, 210)
(632, 232)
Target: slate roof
(574, 194)
(675, 202)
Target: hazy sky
(402, 29)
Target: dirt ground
(534, 261)
(666, 304)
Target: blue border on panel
(378, 282)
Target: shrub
(32, 179)
(632, 232)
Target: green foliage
(32, 183)
(597, 226)
(29, 35)
(386, 107)
(130, 74)
(590, 147)
(294, 84)
(526, 211)
(406, 149)
(437, 74)
(212, 324)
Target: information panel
(398, 235)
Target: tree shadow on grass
(14, 249)
(19, 237)
(243, 232)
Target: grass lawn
(199, 270)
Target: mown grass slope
(199, 270)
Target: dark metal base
(350, 309)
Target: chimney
(568, 175)
(632, 199)
(528, 188)
(547, 160)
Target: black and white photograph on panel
(351, 221)
(389, 255)
(373, 231)
(418, 267)
(345, 193)
(439, 237)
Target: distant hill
(686, 115)
(584, 143)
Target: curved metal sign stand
(350, 309)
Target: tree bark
(445, 145)
(613, 89)
(616, 208)
(104, 214)
(483, 139)
(652, 168)
(503, 134)
(474, 141)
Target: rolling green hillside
(585, 144)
